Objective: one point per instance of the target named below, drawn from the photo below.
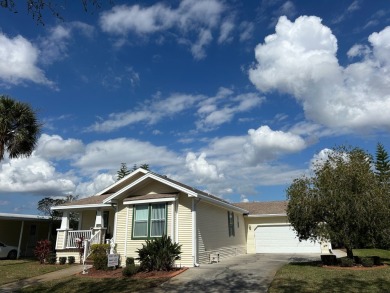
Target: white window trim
(141, 201)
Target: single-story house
(23, 231)
(144, 205)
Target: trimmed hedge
(130, 270)
(346, 262)
(99, 256)
(51, 258)
(62, 260)
(329, 259)
(367, 262)
(71, 260)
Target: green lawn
(14, 270)
(311, 277)
(77, 284)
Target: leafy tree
(341, 201)
(19, 128)
(45, 204)
(382, 164)
(37, 7)
(143, 166)
(122, 172)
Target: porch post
(20, 239)
(99, 219)
(65, 221)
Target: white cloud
(265, 144)
(212, 111)
(55, 147)
(300, 59)
(54, 46)
(189, 17)
(199, 166)
(225, 35)
(246, 30)
(33, 175)
(18, 62)
(96, 184)
(108, 154)
(221, 109)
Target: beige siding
(252, 222)
(213, 232)
(121, 232)
(185, 230)
(88, 219)
(68, 252)
(60, 243)
(154, 187)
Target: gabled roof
(87, 202)
(264, 208)
(109, 195)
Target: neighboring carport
(23, 231)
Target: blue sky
(233, 97)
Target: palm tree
(19, 128)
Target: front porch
(69, 240)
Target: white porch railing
(95, 239)
(73, 236)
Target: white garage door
(282, 239)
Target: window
(149, 220)
(231, 223)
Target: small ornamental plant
(158, 254)
(80, 247)
(42, 250)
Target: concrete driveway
(244, 273)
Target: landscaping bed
(117, 273)
(314, 277)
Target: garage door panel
(282, 239)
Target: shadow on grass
(93, 285)
(229, 282)
(348, 283)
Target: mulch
(117, 273)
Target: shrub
(71, 260)
(158, 254)
(130, 270)
(377, 261)
(129, 261)
(51, 258)
(42, 250)
(346, 262)
(99, 256)
(329, 259)
(367, 261)
(357, 260)
(62, 260)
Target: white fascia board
(123, 179)
(167, 199)
(266, 215)
(157, 178)
(81, 207)
(224, 204)
(23, 217)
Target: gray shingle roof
(95, 199)
(265, 207)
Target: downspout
(173, 223)
(127, 231)
(194, 233)
(115, 222)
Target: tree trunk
(349, 252)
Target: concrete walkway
(244, 273)
(12, 287)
